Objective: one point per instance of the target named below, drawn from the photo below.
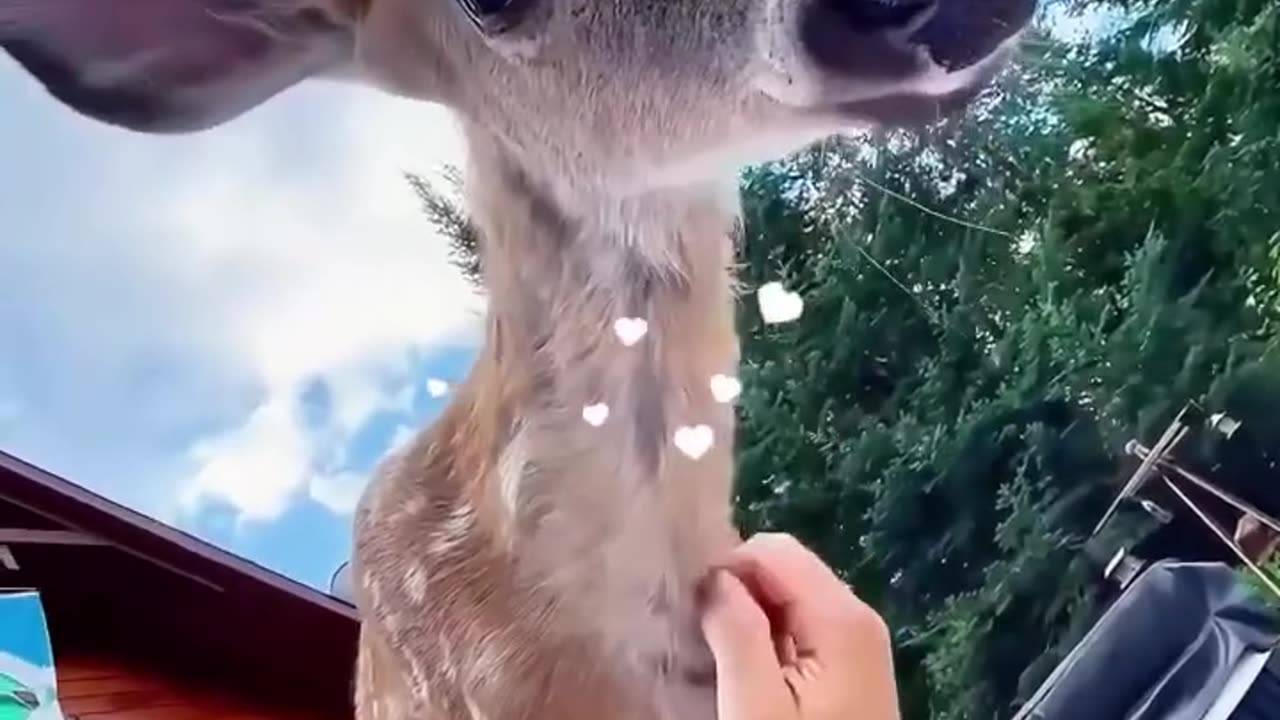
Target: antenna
(340, 583)
(1157, 464)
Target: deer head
(603, 96)
(513, 554)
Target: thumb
(749, 679)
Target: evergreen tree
(445, 213)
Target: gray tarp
(1174, 643)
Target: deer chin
(938, 97)
(904, 111)
(934, 92)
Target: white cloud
(336, 280)
(256, 467)
(340, 492)
(313, 272)
(158, 285)
(404, 434)
(261, 465)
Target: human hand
(792, 642)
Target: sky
(227, 330)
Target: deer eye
(485, 7)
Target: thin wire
(931, 211)
(933, 318)
(929, 313)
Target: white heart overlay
(694, 440)
(630, 330)
(595, 415)
(725, 388)
(777, 304)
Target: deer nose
(864, 39)
(882, 40)
(881, 16)
(963, 32)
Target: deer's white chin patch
(938, 82)
(794, 83)
(720, 165)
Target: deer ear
(171, 66)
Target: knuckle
(854, 613)
(767, 539)
(777, 543)
(880, 629)
(862, 620)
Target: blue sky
(226, 330)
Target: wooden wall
(96, 688)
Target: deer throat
(614, 471)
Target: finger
(786, 646)
(795, 587)
(749, 679)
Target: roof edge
(187, 542)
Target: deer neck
(608, 513)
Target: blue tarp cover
(28, 686)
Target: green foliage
(1258, 588)
(450, 220)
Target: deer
(535, 552)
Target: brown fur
(588, 583)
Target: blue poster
(28, 687)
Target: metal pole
(1172, 436)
